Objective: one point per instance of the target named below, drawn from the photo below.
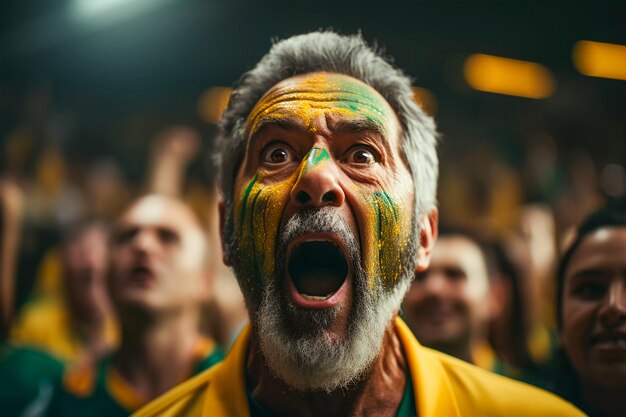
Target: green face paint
(259, 215)
(318, 94)
(387, 238)
(383, 220)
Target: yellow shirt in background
(46, 324)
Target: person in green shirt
(159, 276)
(26, 374)
(27, 377)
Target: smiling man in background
(450, 305)
(329, 173)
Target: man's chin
(313, 324)
(323, 349)
(316, 359)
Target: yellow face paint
(387, 235)
(384, 223)
(318, 94)
(259, 213)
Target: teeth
(316, 298)
(614, 340)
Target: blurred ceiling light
(212, 103)
(508, 76)
(425, 99)
(87, 9)
(598, 59)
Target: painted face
(594, 308)
(448, 303)
(324, 140)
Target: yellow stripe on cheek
(259, 219)
(259, 213)
(387, 231)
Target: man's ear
(429, 229)
(222, 219)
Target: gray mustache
(318, 220)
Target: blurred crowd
(71, 225)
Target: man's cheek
(387, 232)
(257, 220)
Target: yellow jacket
(443, 387)
(46, 324)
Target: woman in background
(591, 312)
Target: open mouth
(141, 274)
(317, 269)
(610, 340)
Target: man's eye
(168, 236)
(590, 290)
(455, 274)
(361, 156)
(124, 236)
(277, 154)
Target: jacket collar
(431, 385)
(226, 393)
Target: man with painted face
(328, 175)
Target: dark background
(111, 82)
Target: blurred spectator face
(85, 263)
(158, 259)
(594, 308)
(450, 299)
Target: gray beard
(296, 345)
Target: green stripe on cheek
(261, 212)
(244, 200)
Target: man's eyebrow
(285, 123)
(360, 126)
(589, 272)
(294, 124)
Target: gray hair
(330, 52)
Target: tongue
(319, 282)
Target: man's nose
(318, 183)
(144, 241)
(434, 284)
(613, 311)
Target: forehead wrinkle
(287, 123)
(354, 123)
(273, 105)
(266, 103)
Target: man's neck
(157, 351)
(609, 401)
(379, 393)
